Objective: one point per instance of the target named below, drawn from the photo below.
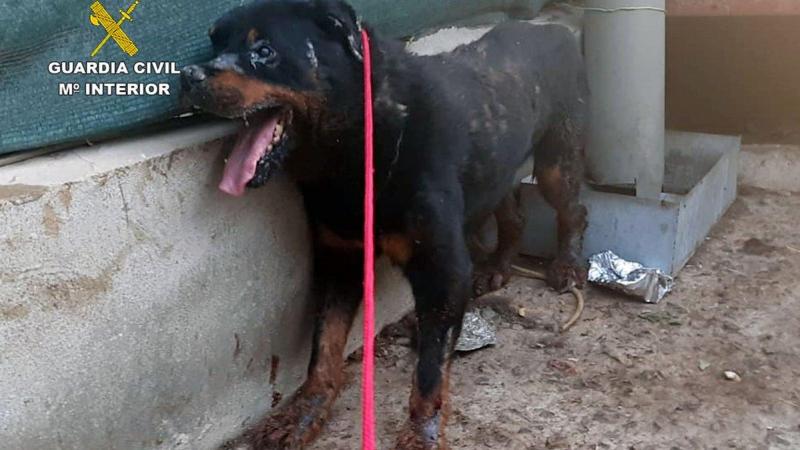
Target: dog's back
(547, 54)
(543, 58)
(508, 89)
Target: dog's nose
(192, 74)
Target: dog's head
(277, 64)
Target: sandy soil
(629, 375)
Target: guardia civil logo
(100, 17)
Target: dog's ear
(339, 19)
(220, 31)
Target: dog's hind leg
(559, 173)
(338, 284)
(440, 273)
(496, 271)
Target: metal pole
(625, 56)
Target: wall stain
(50, 220)
(101, 179)
(65, 195)
(238, 347)
(14, 312)
(21, 193)
(72, 293)
(273, 376)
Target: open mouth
(260, 149)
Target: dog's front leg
(440, 274)
(338, 280)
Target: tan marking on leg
(398, 247)
(329, 239)
(327, 376)
(550, 182)
(302, 418)
(551, 185)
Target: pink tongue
(250, 146)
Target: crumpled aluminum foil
(649, 284)
(476, 333)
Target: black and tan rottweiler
(452, 130)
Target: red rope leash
(368, 362)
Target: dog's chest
(398, 247)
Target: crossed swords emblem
(101, 17)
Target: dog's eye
(266, 51)
(262, 54)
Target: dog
(451, 132)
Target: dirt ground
(629, 375)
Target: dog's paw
(278, 432)
(294, 426)
(564, 275)
(420, 438)
(489, 278)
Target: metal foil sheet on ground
(649, 284)
(476, 333)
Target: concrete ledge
(773, 167)
(141, 308)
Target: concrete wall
(141, 308)
(732, 7)
(732, 68)
(772, 167)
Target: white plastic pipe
(625, 56)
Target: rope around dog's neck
(368, 361)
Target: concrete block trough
(699, 186)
